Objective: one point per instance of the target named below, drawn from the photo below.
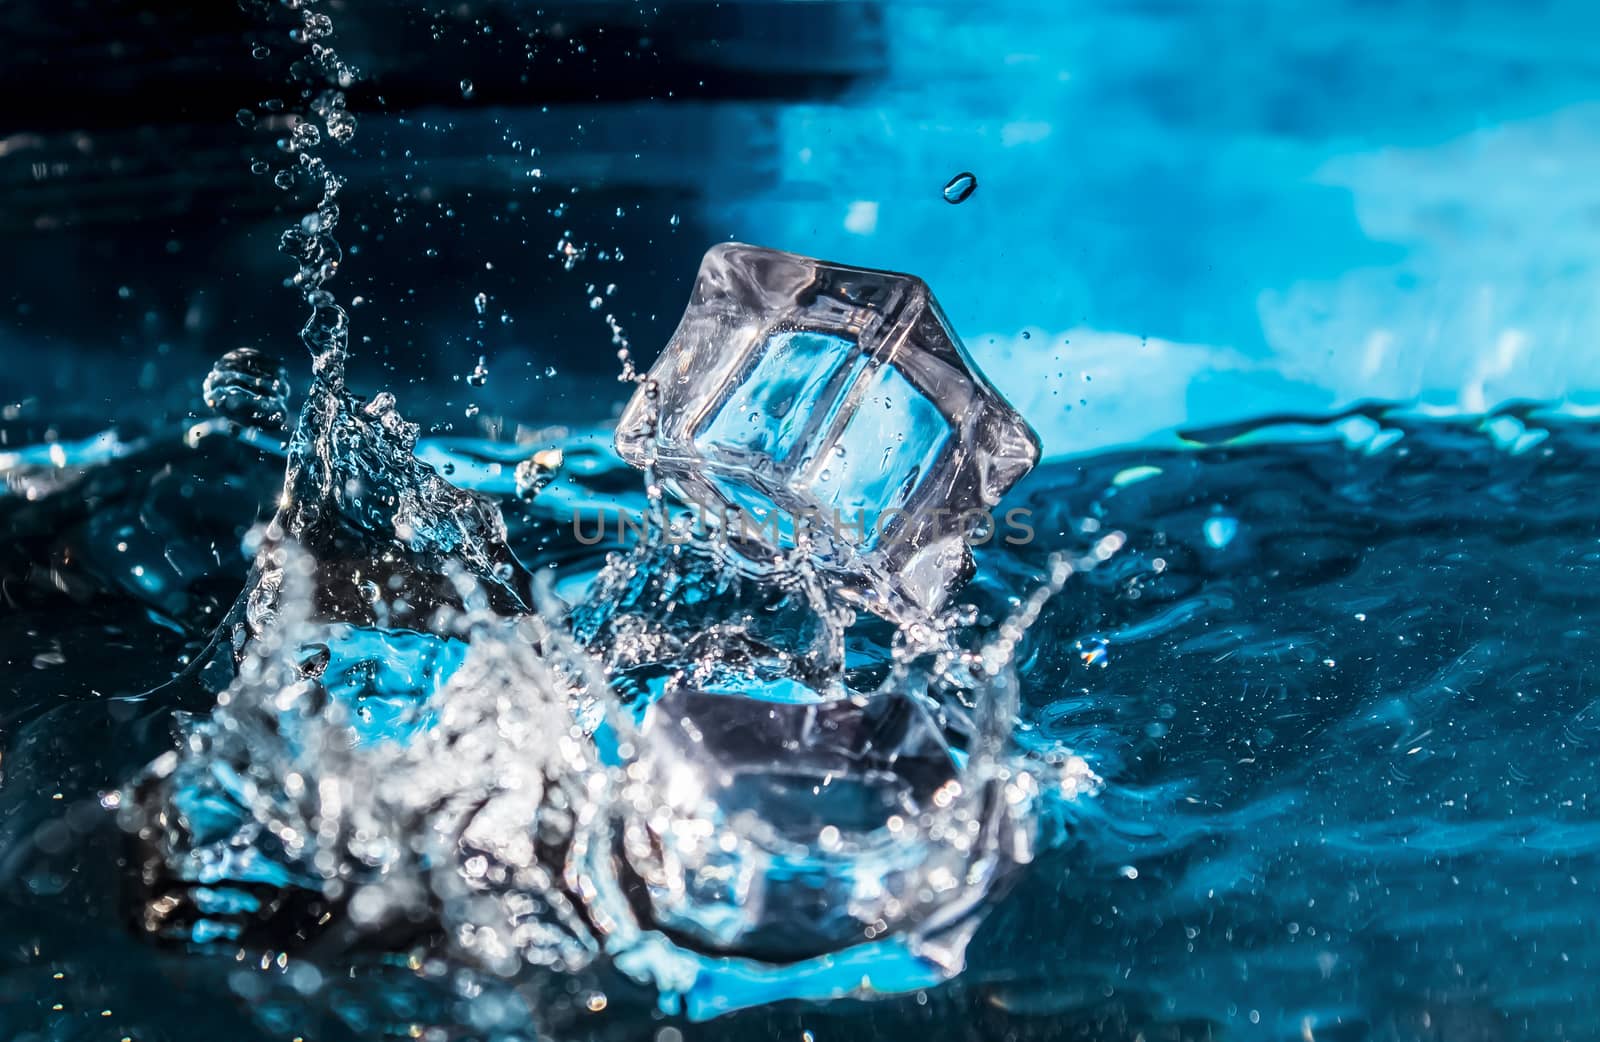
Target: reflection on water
(1332, 691)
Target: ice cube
(816, 398)
(786, 829)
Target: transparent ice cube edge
(798, 388)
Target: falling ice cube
(809, 399)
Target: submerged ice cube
(786, 828)
(803, 397)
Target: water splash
(705, 777)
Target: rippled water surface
(1337, 688)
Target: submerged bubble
(467, 89)
(1094, 652)
(960, 187)
(1220, 530)
(479, 375)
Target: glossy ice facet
(833, 401)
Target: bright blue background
(1213, 211)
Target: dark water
(1339, 686)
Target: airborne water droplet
(537, 471)
(466, 88)
(960, 187)
(341, 126)
(317, 25)
(305, 135)
(250, 387)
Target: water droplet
(675, 221)
(466, 88)
(549, 370)
(245, 117)
(480, 373)
(960, 187)
(305, 136)
(260, 51)
(481, 303)
(284, 179)
(260, 166)
(341, 126)
(537, 471)
(472, 410)
(248, 386)
(317, 25)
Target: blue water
(1338, 686)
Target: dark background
(142, 246)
